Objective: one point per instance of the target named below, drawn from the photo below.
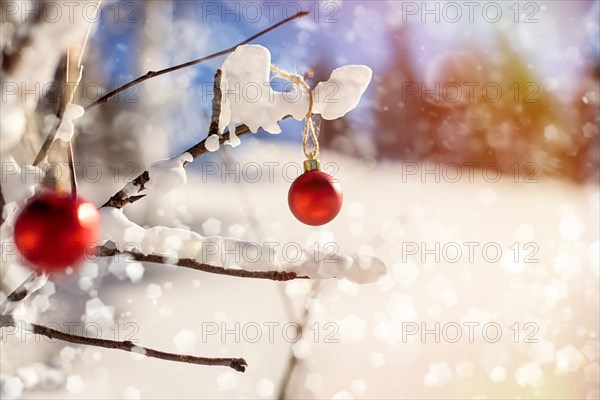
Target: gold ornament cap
(312, 165)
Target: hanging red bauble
(315, 197)
(56, 230)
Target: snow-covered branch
(250, 66)
(280, 276)
(18, 296)
(130, 192)
(228, 256)
(238, 364)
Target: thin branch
(153, 74)
(60, 112)
(65, 97)
(238, 364)
(216, 105)
(293, 360)
(72, 169)
(19, 294)
(280, 276)
(2, 204)
(121, 198)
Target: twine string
(309, 132)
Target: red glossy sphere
(315, 198)
(54, 231)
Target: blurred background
(452, 82)
(503, 93)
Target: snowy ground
(387, 214)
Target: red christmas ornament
(315, 198)
(56, 230)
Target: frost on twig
(172, 245)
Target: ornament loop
(309, 126)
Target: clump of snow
(117, 228)
(167, 175)
(226, 252)
(212, 143)
(341, 93)
(139, 352)
(248, 97)
(66, 129)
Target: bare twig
(153, 74)
(216, 105)
(2, 204)
(60, 112)
(65, 97)
(20, 293)
(72, 169)
(103, 251)
(238, 364)
(294, 361)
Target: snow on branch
(247, 67)
(229, 256)
(249, 99)
(130, 192)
